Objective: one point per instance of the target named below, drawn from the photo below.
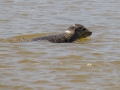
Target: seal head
(77, 31)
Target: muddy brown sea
(92, 64)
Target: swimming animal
(74, 32)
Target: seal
(74, 32)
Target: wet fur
(73, 33)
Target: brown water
(90, 65)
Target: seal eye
(83, 29)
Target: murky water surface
(90, 65)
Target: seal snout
(87, 34)
(90, 32)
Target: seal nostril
(90, 33)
